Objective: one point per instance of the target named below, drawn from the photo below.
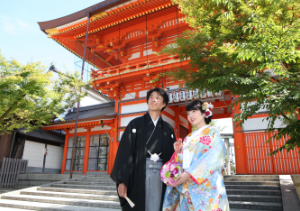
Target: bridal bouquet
(169, 172)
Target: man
(136, 169)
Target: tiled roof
(103, 110)
(44, 135)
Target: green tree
(250, 48)
(30, 97)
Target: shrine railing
(136, 65)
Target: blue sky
(21, 37)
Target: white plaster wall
(87, 101)
(134, 108)
(168, 120)
(125, 120)
(143, 93)
(97, 128)
(170, 111)
(34, 153)
(120, 135)
(149, 52)
(129, 96)
(135, 55)
(183, 120)
(258, 124)
(253, 103)
(79, 130)
(54, 157)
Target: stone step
(255, 187)
(90, 183)
(7, 190)
(253, 176)
(258, 179)
(34, 182)
(98, 176)
(71, 195)
(12, 209)
(95, 179)
(235, 209)
(256, 205)
(48, 207)
(80, 191)
(64, 201)
(254, 198)
(94, 187)
(265, 183)
(253, 192)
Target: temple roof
(94, 9)
(100, 111)
(44, 135)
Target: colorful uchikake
(169, 172)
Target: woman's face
(195, 117)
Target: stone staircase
(249, 192)
(88, 193)
(98, 193)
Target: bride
(202, 154)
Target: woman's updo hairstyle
(204, 108)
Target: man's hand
(184, 177)
(178, 145)
(122, 190)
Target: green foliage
(250, 48)
(31, 98)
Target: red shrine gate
(120, 39)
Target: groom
(146, 144)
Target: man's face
(156, 102)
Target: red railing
(137, 64)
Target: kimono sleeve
(123, 165)
(210, 161)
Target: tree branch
(14, 104)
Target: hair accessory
(205, 106)
(208, 109)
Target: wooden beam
(221, 116)
(96, 55)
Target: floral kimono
(205, 190)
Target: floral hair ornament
(208, 109)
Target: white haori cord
(154, 157)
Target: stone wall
(296, 180)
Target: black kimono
(130, 163)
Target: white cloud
(16, 26)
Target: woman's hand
(178, 145)
(184, 177)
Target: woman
(202, 155)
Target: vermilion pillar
(63, 167)
(114, 144)
(86, 150)
(239, 145)
(112, 147)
